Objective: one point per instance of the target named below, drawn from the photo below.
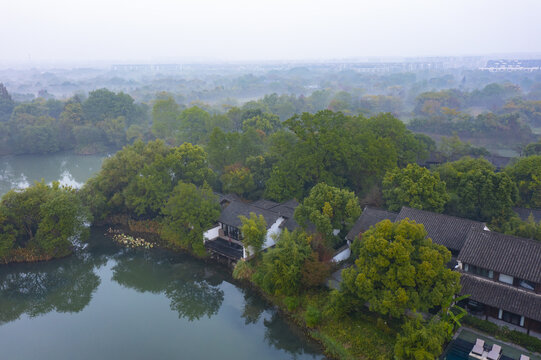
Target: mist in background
(68, 31)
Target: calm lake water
(20, 171)
(108, 302)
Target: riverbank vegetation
(397, 272)
(41, 222)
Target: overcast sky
(238, 30)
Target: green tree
(532, 149)
(400, 269)
(526, 173)
(188, 213)
(114, 130)
(106, 192)
(254, 232)
(528, 229)
(339, 150)
(189, 163)
(329, 209)
(103, 104)
(280, 271)
(138, 179)
(145, 194)
(454, 147)
(165, 119)
(267, 123)
(477, 192)
(6, 104)
(232, 148)
(195, 126)
(42, 220)
(238, 180)
(72, 114)
(8, 234)
(62, 218)
(416, 187)
(419, 341)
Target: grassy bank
(362, 335)
(30, 254)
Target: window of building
(475, 307)
(527, 284)
(508, 279)
(511, 318)
(478, 271)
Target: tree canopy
(340, 150)
(329, 209)
(526, 173)
(280, 271)
(188, 213)
(420, 341)
(254, 232)
(138, 179)
(416, 187)
(477, 192)
(398, 268)
(41, 221)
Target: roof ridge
(505, 236)
(378, 209)
(441, 214)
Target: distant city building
(148, 68)
(512, 65)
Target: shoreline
(289, 316)
(121, 225)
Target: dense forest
(48, 112)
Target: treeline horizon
(498, 115)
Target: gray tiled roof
(270, 210)
(230, 215)
(506, 254)
(369, 217)
(227, 197)
(287, 210)
(265, 204)
(445, 230)
(524, 213)
(502, 296)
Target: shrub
(332, 347)
(242, 271)
(291, 302)
(312, 317)
(482, 325)
(382, 325)
(314, 272)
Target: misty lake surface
(20, 171)
(109, 302)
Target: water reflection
(98, 284)
(20, 171)
(192, 288)
(254, 306)
(64, 285)
(282, 336)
